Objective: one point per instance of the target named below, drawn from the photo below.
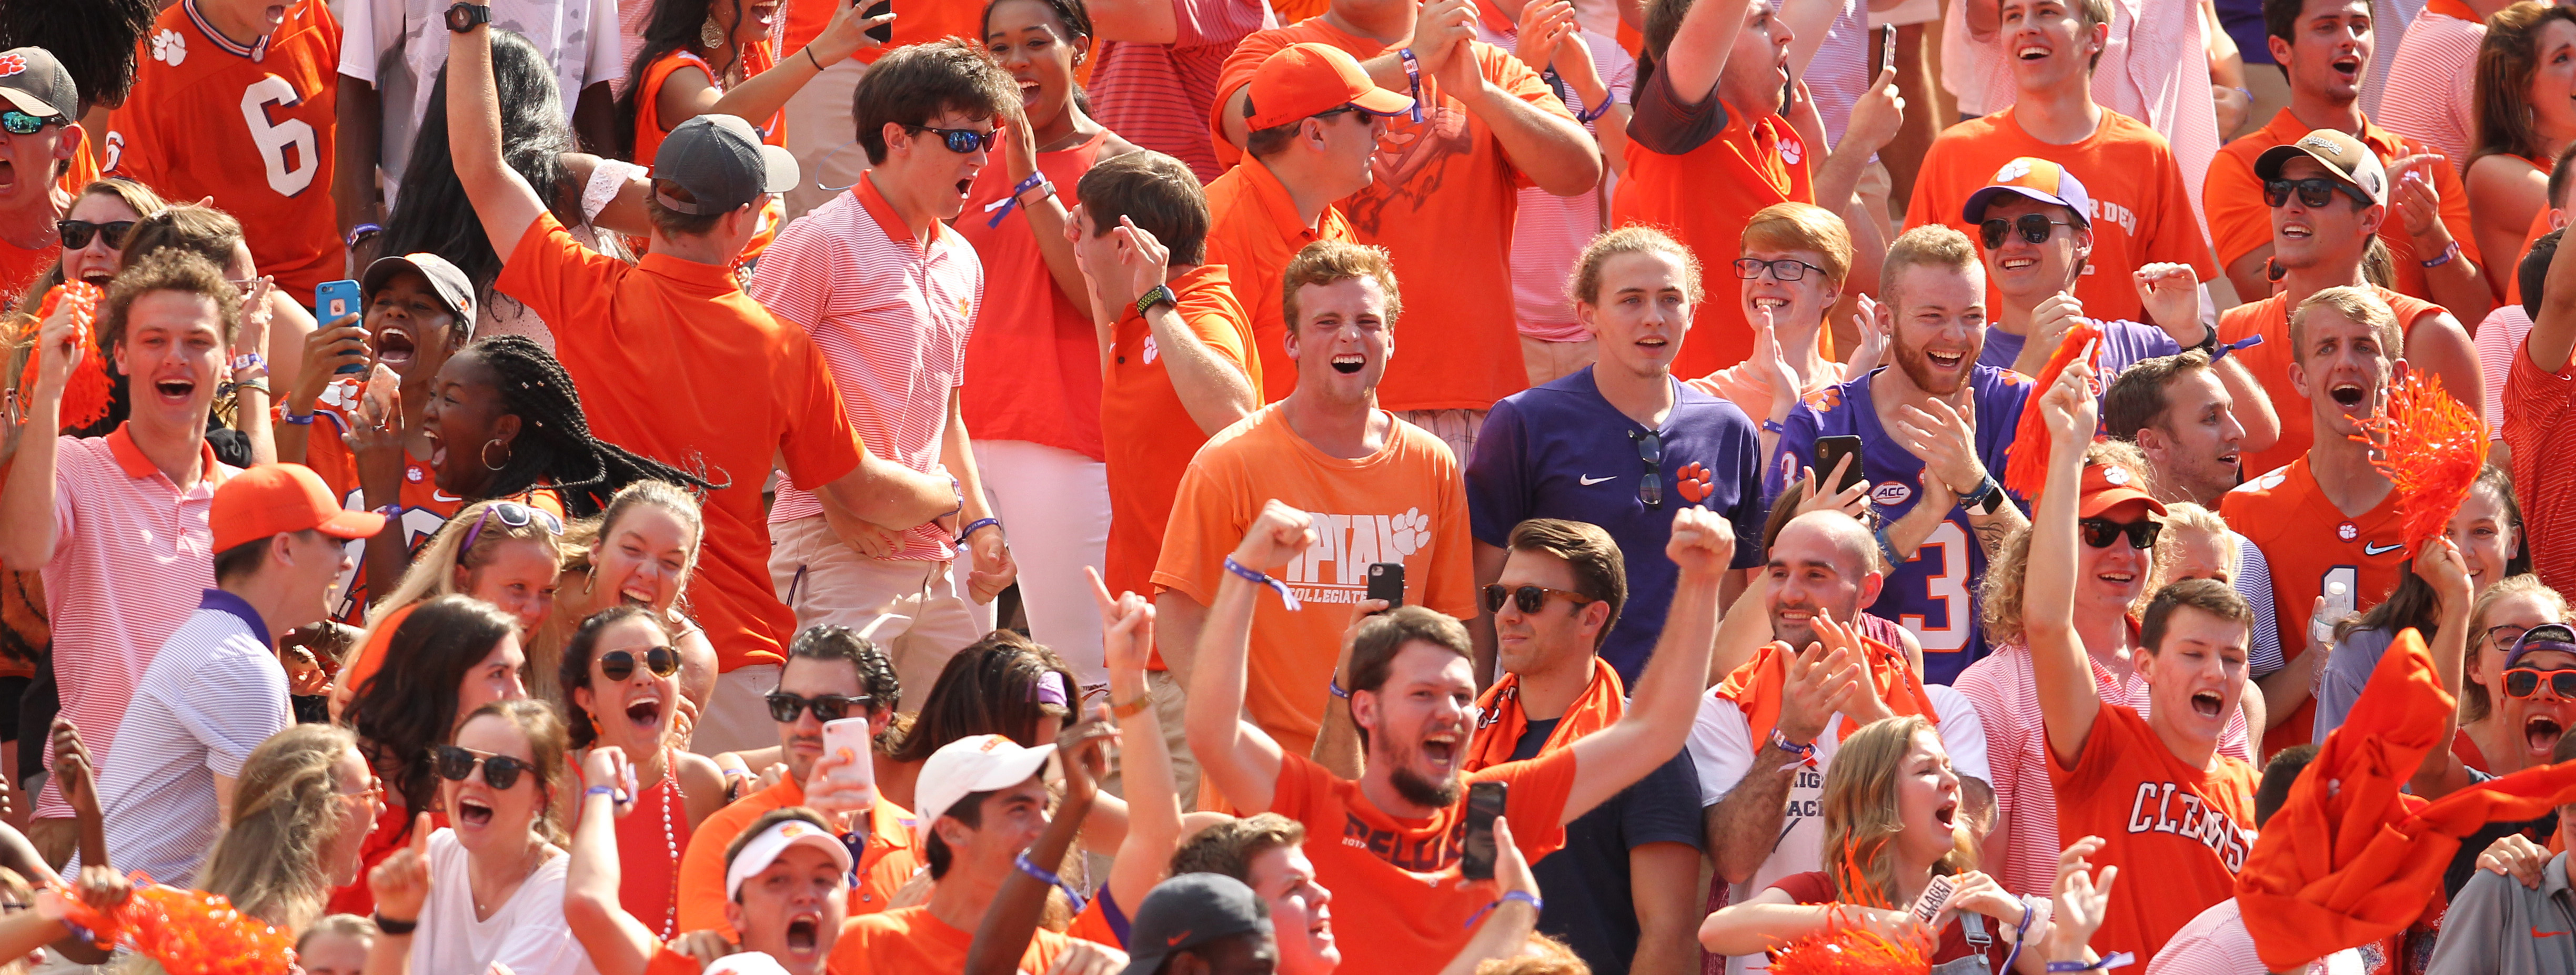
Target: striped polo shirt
(131, 552)
(213, 693)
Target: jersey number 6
(287, 175)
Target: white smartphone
(851, 734)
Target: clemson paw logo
(1407, 533)
(2347, 531)
(1151, 352)
(12, 64)
(1693, 482)
(1826, 399)
(169, 48)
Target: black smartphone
(1886, 48)
(1831, 451)
(884, 33)
(1484, 805)
(1386, 581)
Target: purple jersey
(1933, 593)
(2124, 344)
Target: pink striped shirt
(2007, 701)
(890, 318)
(1158, 96)
(133, 555)
(2432, 84)
(1549, 231)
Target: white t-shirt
(213, 693)
(399, 45)
(1722, 745)
(527, 933)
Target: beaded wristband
(1257, 577)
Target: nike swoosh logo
(2538, 933)
(2370, 549)
(1590, 481)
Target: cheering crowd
(786, 487)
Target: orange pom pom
(1847, 948)
(85, 396)
(2431, 447)
(2026, 464)
(190, 932)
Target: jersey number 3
(1947, 587)
(290, 149)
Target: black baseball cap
(1187, 911)
(36, 84)
(721, 163)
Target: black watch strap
(462, 16)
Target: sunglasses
(2313, 192)
(499, 771)
(618, 665)
(1528, 598)
(784, 707)
(2524, 682)
(963, 141)
(21, 123)
(2034, 228)
(2099, 532)
(515, 515)
(1784, 269)
(1650, 452)
(76, 233)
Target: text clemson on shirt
(2166, 807)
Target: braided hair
(555, 447)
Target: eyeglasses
(1528, 598)
(375, 787)
(963, 141)
(2506, 634)
(1784, 269)
(499, 771)
(784, 707)
(22, 123)
(1650, 452)
(2313, 192)
(2034, 228)
(2099, 532)
(618, 665)
(515, 515)
(76, 233)
(2524, 682)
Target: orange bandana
(2348, 859)
(1755, 687)
(1499, 731)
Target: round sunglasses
(784, 707)
(618, 665)
(499, 771)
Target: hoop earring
(711, 34)
(480, 455)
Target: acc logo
(2013, 170)
(12, 64)
(1890, 494)
(2347, 531)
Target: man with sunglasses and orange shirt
(43, 135)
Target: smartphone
(851, 734)
(882, 33)
(1386, 581)
(1831, 451)
(1484, 805)
(1886, 48)
(1935, 894)
(333, 301)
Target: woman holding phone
(620, 679)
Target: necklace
(671, 842)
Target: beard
(1918, 367)
(1421, 791)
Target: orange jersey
(2182, 832)
(2269, 363)
(250, 127)
(2240, 222)
(2142, 210)
(1253, 231)
(1441, 199)
(910, 940)
(2311, 546)
(889, 861)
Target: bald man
(1761, 801)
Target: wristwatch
(462, 17)
(1160, 294)
(1987, 499)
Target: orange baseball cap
(1303, 80)
(2107, 486)
(274, 499)
(2034, 179)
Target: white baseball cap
(766, 848)
(746, 963)
(968, 765)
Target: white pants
(737, 714)
(1054, 505)
(823, 137)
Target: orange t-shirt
(1748, 386)
(2142, 210)
(1148, 434)
(1032, 358)
(889, 861)
(2269, 363)
(2310, 543)
(2513, 275)
(251, 128)
(909, 940)
(1406, 503)
(1441, 200)
(1253, 231)
(2241, 223)
(1701, 175)
(676, 363)
(2184, 832)
(1399, 877)
(915, 21)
